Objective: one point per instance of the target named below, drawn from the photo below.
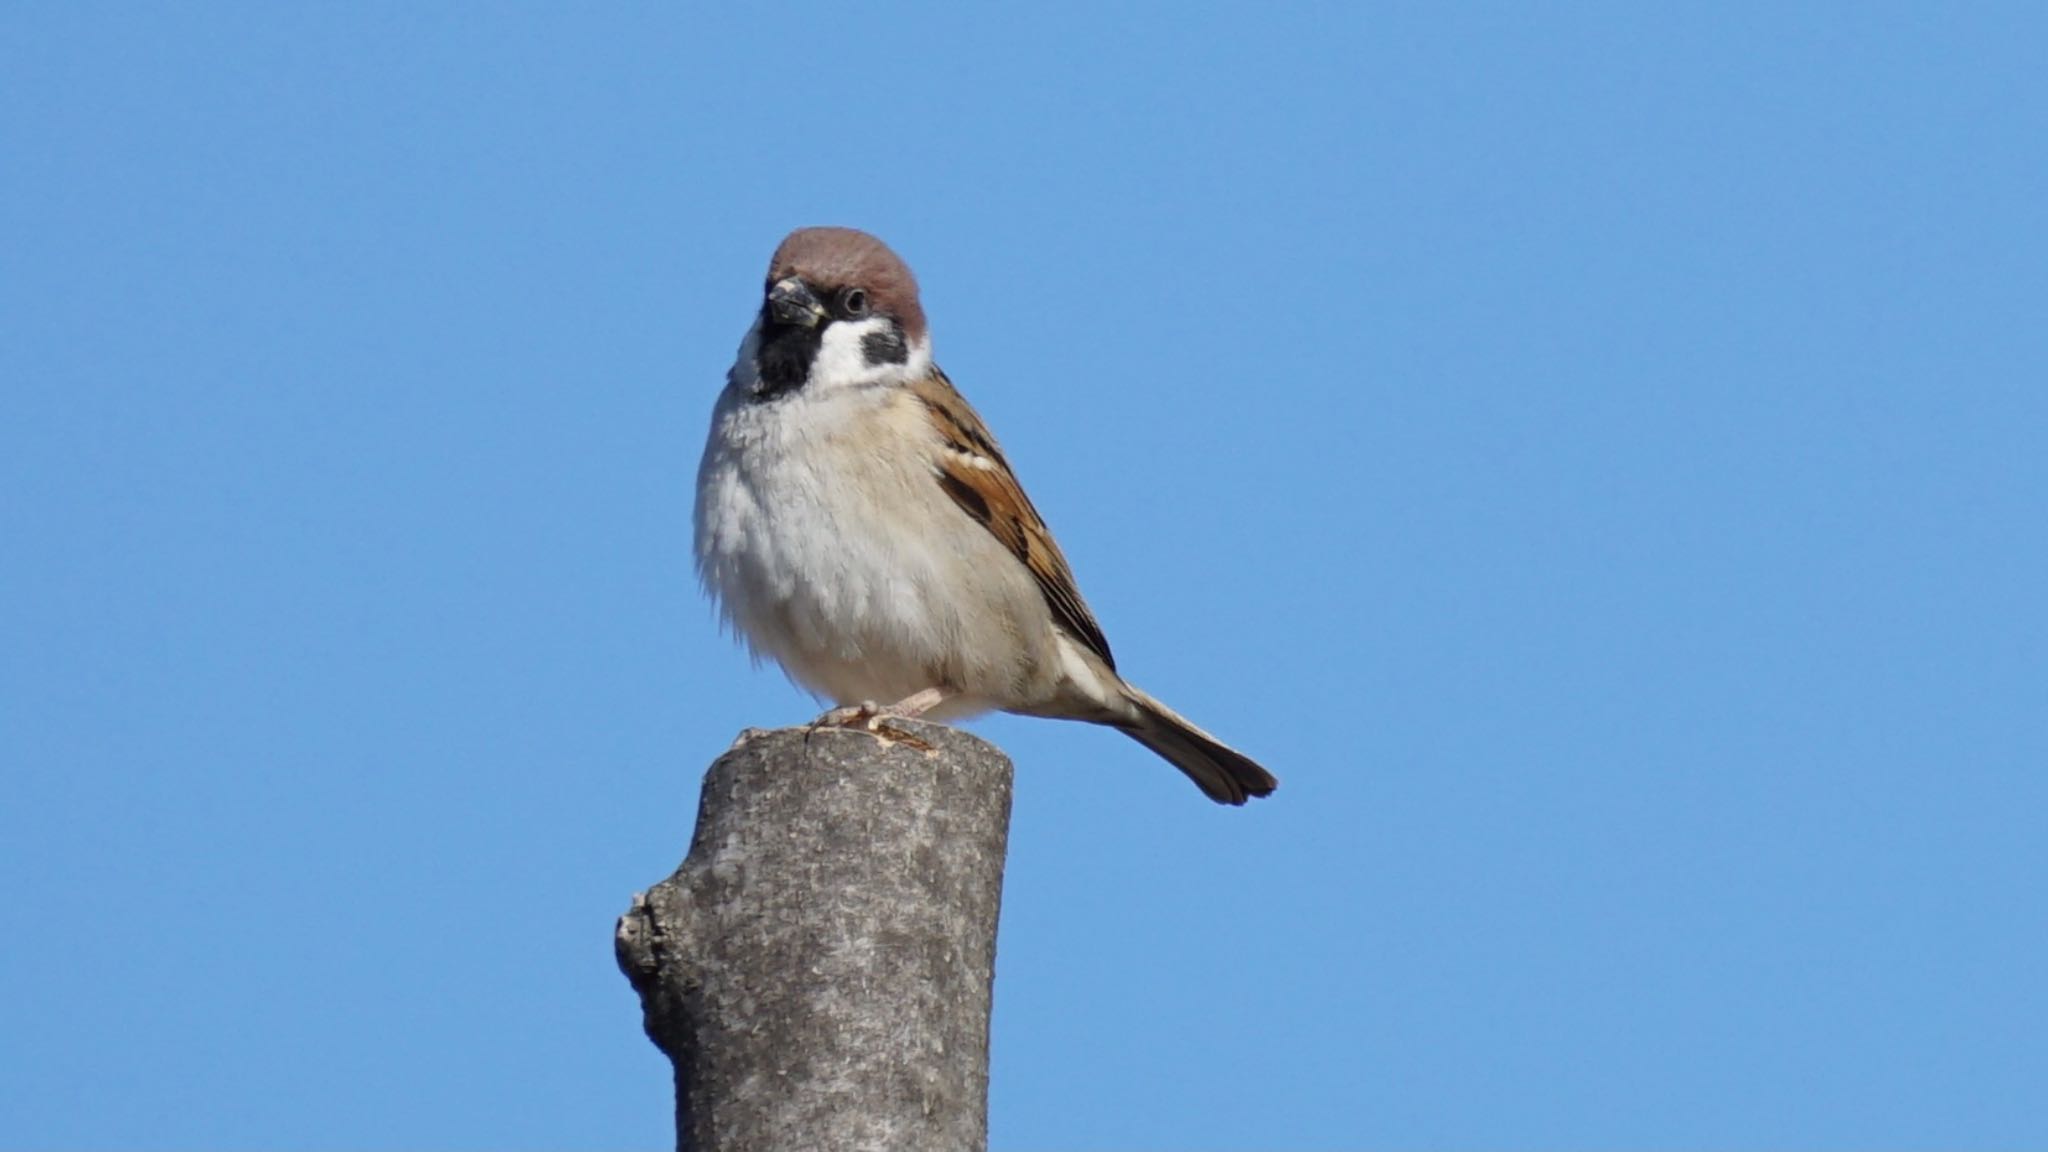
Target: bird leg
(872, 717)
(916, 704)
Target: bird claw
(861, 715)
(876, 720)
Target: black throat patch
(785, 355)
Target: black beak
(790, 302)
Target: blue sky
(1595, 459)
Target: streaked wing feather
(973, 472)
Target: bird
(857, 523)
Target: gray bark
(820, 967)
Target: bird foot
(876, 719)
(861, 715)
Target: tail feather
(1224, 774)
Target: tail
(1224, 774)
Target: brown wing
(973, 472)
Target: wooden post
(820, 967)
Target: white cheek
(842, 362)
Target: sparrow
(858, 523)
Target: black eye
(853, 304)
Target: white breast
(830, 547)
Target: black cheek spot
(885, 346)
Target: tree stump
(820, 968)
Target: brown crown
(830, 259)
